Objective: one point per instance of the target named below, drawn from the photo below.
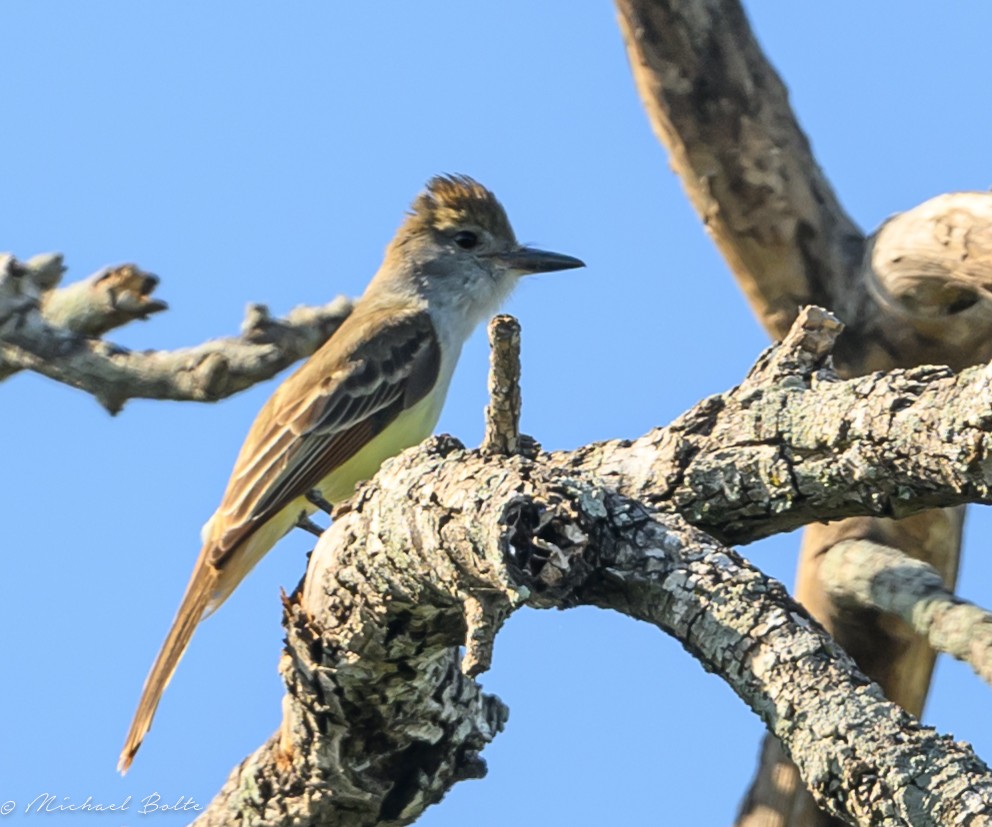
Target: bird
(374, 388)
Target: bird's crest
(455, 201)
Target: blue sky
(267, 152)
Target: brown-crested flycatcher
(374, 388)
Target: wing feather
(347, 392)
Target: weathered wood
(723, 113)
(928, 272)
(52, 332)
(915, 293)
(380, 719)
(875, 576)
(502, 434)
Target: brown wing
(377, 364)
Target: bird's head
(459, 240)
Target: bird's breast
(409, 428)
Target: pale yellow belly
(409, 428)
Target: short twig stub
(503, 411)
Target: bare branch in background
(723, 113)
(51, 331)
(878, 577)
(913, 294)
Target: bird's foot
(314, 497)
(304, 522)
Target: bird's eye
(466, 239)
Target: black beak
(528, 260)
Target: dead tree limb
(912, 294)
(53, 332)
(877, 577)
(379, 721)
(794, 444)
(381, 716)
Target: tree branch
(370, 735)
(444, 544)
(502, 435)
(914, 295)
(878, 577)
(723, 113)
(924, 293)
(50, 332)
(786, 449)
(109, 298)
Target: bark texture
(55, 333)
(913, 293)
(502, 435)
(380, 718)
(764, 459)
(879, 577)
(723, 113)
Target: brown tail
(198, 593)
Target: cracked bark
(378, 719)
(502, 434)
(784, 449)
(915, 292)
(436, 552)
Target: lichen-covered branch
(788, 448)
(913, 294)
(52, 333)
(380, 718)
(502, 434)
(879, 577)
(109, 298)
(378, 722)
